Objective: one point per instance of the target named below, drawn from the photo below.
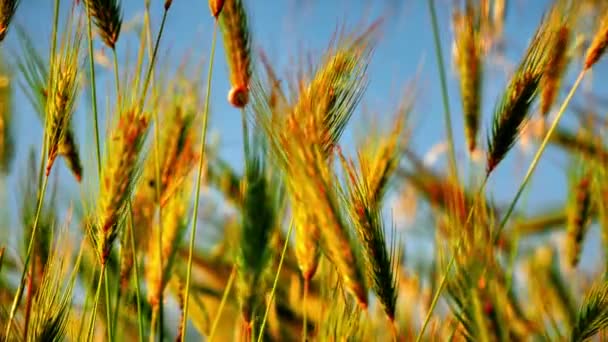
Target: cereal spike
(7, 11)
(469, 61)
(578, 218)
(118, 177)
(59, 105)
(108, 19)
(556, 65)
(69, 150)
(215, 6)
(307, 245)
(513, 107)
(174, 226)
(559, 24)
(237, 44)
(259, 213)
(366, 187)
(599, 43)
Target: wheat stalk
(513, 107)
(237, 45)
(108, 19)
(7, 11)
(598, 44)
(469, 61)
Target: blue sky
(287, 28)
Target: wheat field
(128, 213)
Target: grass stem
(109, 324)
(218, 316)
(93, 88)
(117, 80)
(444, 90)
(538, 154)
(276, 281)
(446, 272)
(140, 320)
(198, 181)
(28, 254)
(102, 271)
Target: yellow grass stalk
(237, 45)
(513, 107)
(599, 43)
(108, 19)
(62, 91)
(215, 6)
(557, 55)
(469, 63)
(578, 217)
(174, 226)
(367, 185)
(118, 177)
(7, 11)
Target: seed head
(216, 7)
(7, 10)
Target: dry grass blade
(469, 61)
(237, 44)
(593, 314)
(7, 11)
(108, 19)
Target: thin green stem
(444, 278)
(538, 154)
(152, 61)
(117, 79)
(276, 281)
(147, 82)
(28, 300)
(102, 271)
(140, 320)
(28, 254)
(444, 90)
(117, 301)
(87, 298)
(245, 136)
(93, 89)
(109, 324)
(216, 320)
(198, 181)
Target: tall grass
(301, 239)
